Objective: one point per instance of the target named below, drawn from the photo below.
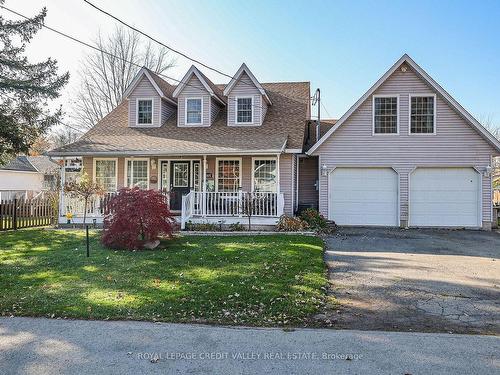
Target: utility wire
(115, 56)
(156, 40)
(326, 110)
(165, 45)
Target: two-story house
(405, 154)
(213, 149)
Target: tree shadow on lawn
(211, 279)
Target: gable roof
(212, 89)
(244, 68)
(430, 81)
(163, 88)
(41, 164)
(283, 127)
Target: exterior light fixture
(324, 170)
(487, 171)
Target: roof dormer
(150, 101)
(199, 100)
(247, 99)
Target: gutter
(162, 153)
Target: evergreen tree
(25, 88)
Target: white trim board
(236, 77)
(447, 97)
(184, 82)
(137, 79)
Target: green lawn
(258, 280)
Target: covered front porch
(219, 189)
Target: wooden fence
(25, 213)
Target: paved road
(420, 280)
(45, 346)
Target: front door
(179, 183)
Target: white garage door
(363, 196)
(444, 197)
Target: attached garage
(445, 197)
(363, 196)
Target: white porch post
(63, 181)
(204, 195)
(278, 188)
(279, 197)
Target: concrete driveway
(415, 280)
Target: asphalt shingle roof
(41, 164)
(283, 125)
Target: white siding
(455, 143)
(17, 180)
(194, 88)
(245, 87)
(144, 89)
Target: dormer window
(244, 110)
(194, 109)
(144, 111)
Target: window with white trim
(228, 174)
(422, 115)
(145, 111)
(105, 174)
(193, 111)
(137, 174)
(264, 175)
(244, 110)
(385, 115)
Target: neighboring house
(407, 154)
(210, 147)
(27, 176)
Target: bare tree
(104, 77)
(64, 136)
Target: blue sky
(343, 47)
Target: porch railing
(225, 204)
(195, 203)
(96, 205)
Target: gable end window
(244, 110)
(144, 111)
(194, 109)
(422, 114)
(385, 114)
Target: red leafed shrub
(135, 217)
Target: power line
(326, 110)
(156, 40)
(115, 56)
(165, 45)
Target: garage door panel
(444, 197)
(364, 196)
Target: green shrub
(202, 227)
(291, 224)
(236, 227)
(314, 219)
